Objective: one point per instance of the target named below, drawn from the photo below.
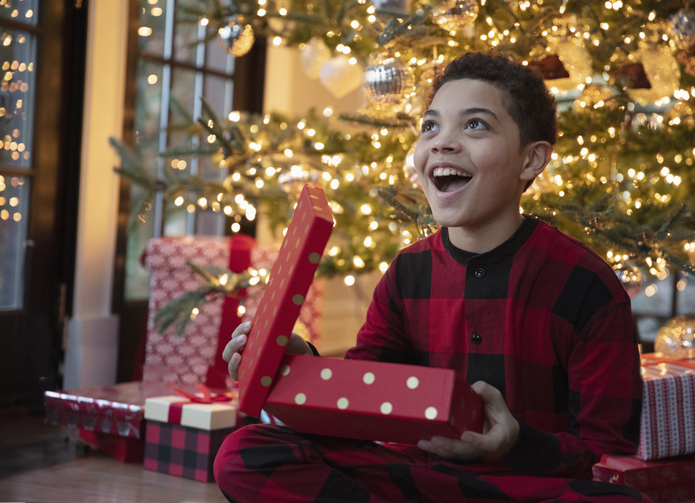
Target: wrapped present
(289, 282)
(197, 356)
(373, 400)
(114, 410)
(668, 407)
(110, 418)
(183, 436)
(358, 399)
(667, 480)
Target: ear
(536, 158)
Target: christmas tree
(620, 178)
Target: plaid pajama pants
(268, 464)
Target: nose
(446, 142)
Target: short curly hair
(529, 103)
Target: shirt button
(476, 338)
(479, 272)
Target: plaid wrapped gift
(665, 481)
(182, 451)
(668, 408)
(183, 437)
(196, 357)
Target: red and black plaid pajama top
(541, 317)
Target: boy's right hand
(232, 352)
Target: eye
(476, 124)
(428, 126)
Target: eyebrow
(467, 111)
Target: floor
(42, 463)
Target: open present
(348, 398)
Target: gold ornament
(236, 38)
(313, 55)
(676, 338)
(576, 60)
(662, 71)
(388, 83)
(630, 276)
(458, 15)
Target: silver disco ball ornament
(388, 82)
(463, 13)
(236, 38)
(683, 28)
(630, 276)
(676, 339)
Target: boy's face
(468, 157)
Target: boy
(536, 320)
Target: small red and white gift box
(668, 407)
(183, 437)
(665, 480)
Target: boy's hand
(232, 352)
(499, 433)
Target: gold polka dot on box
(372, 400)
(284, 295)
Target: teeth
(449, 171)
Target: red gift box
(114, 410)
(358, 399)
(667, 480)
(196, 357)
(668, 407)
(110, 418)
(284, 295)
(373, 400)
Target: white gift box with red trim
(180, 410)
(668, 407)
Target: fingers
(489, 394)
(232, 351)
(298, 346)
(450, 448)
(234, 346)
(233, 366)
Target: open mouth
(448, 179)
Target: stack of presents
(176, 418)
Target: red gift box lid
(278, 310)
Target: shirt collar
(509, 247)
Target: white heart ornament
(340, 77)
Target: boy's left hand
(499, 433)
